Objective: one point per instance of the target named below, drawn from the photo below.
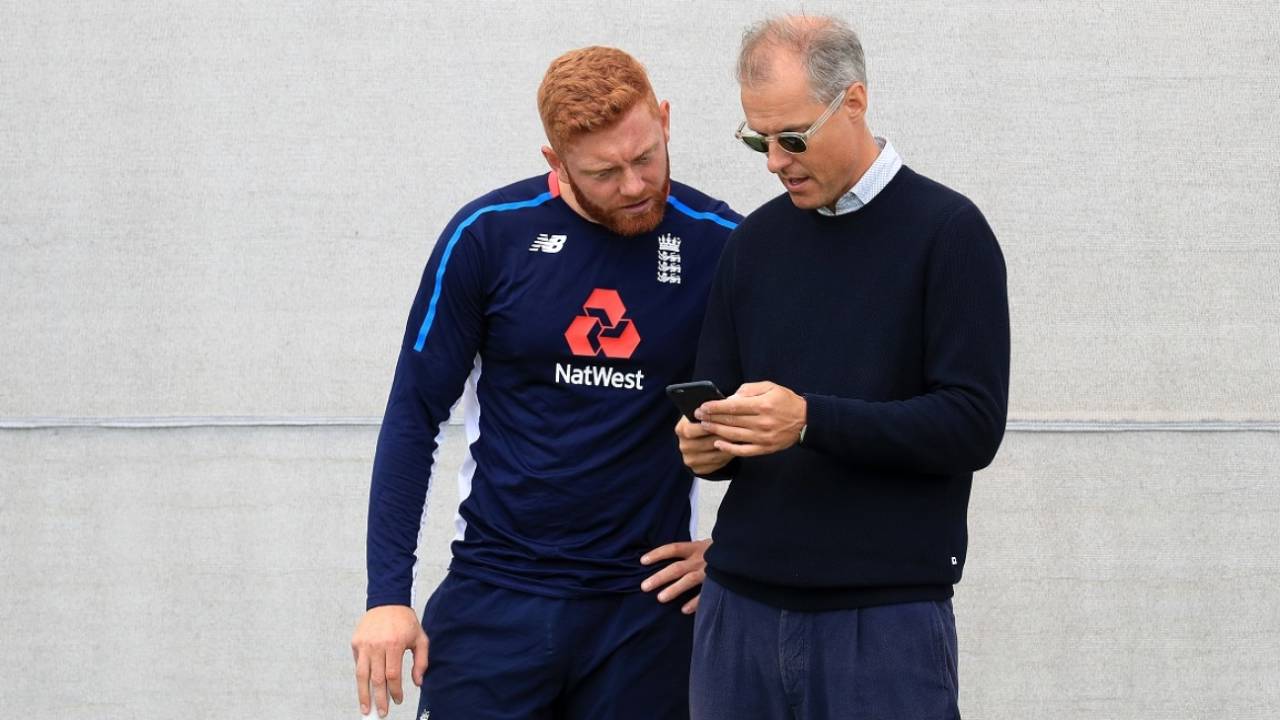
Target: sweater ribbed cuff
(817, 417)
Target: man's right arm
(441, 340)
(718, 361)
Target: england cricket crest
(669, 259)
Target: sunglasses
(793, 142)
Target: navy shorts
(498, 653)
(752, 661)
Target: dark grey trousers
(890, 662)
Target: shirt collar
(885, 167)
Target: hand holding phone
(690, 396)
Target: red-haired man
(564, 303)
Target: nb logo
(601, 329)
(548, 243)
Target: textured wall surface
(219, 212)
(220, 571)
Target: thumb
(754, 388)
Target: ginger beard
(620, 221)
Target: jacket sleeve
(957, 423)
(442, 338)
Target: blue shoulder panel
(448, 250)
(675, 203)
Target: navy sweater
(893, 322)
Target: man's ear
(664, 115)
(553, 160)
(855, 101)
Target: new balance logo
(548, 243)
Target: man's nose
(778, 158)
(631, 184)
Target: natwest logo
(601, 329)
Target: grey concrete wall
(215, 210)
(219, 572)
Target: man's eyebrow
(647, 151)
(610, 166)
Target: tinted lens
(791, 143)
(756, 142)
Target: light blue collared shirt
(886, 166)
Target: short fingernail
(645, 586)
(364, 709)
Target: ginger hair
(590, 89)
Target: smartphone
(689, 396)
